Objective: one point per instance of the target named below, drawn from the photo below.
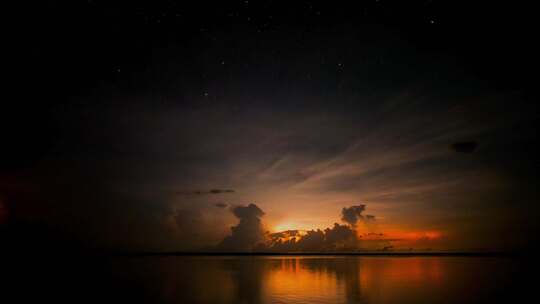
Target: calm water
(326, 279)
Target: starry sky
(153, 126)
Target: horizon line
(373, 253)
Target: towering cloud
(351, 215)
(248, 233)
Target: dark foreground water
(323, 279)
(89, 279)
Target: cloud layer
(249, 234)
(351, 215)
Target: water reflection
(323, 279)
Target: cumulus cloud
(205, 192)
(351, 215)
(314, 240)
(285, 234)
(249, 232)
(339, 237)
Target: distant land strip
(381, 253)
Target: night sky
(153, 126)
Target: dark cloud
(204, 192)
(340, 237)
(464, 146)
(249, 235)
(249, 232)
(314, 240)
(221, 205)
(351, 215)
(337, 238)
(284, 234)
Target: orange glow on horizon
(397, 238)
(285, 226)
(389, 234)
(414, 235)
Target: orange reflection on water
(322, 279)
(399, 275)
(293, 279)
(350, 280)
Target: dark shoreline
(388, 254)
